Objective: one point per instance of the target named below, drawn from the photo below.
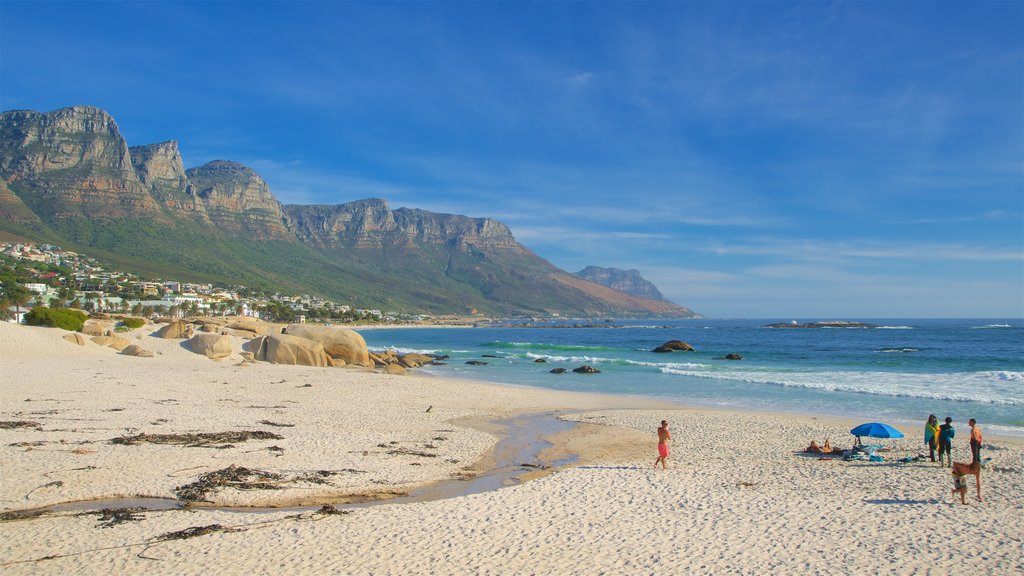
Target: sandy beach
(84, 423)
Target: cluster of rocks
(394, 363)
(295, 344)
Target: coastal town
(46, 275)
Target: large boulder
(394, 369)
(674, 346)
(213, 346)
(289, 349)
(254, 325)
(176, 329)
(118, 343)
(95, 328)
(75, 338)
(342, 343)
(136, 350)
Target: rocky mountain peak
(628, 281)
(237, 199)
(159, 164)
(71, 163)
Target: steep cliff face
(71, 163)
(159, 167)
(238, 200)
(372, 224)
(628, 281)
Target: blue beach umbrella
(876, 430)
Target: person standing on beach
(975, 441)
(946, 434)
(931, 435)
(663, 437)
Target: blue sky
(752, 159)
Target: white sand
(735, 500)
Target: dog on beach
(960, 472)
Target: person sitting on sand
(814, 447)
(827, 448)
(960, 470)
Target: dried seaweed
(203, 439)
(407, 452)
(194, 531)
(10, 424)
(110, 517)
(16, 515)
(236, 477)
(277, 424)
(328, 510)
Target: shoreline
(902, 415)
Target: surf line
(516, 454)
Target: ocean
(898, 372)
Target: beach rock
(240, 333)
(94, 328)
(102, 340)
(289, 349)
(75, 338)
(540, 361)
(118, 343)
(213, 346)
(342, 343)
(413, 360)
(394, 369)
(586, 369)
(673, 346)
(477, 363)
(730, 356)
(558, 370)
(175, 330)
(379, 360)
(136, 350)
(255, 326)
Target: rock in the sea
(136, 350)
(558, 370)
(289, 349)
(539, 361)
(730, 356)
(673, 346)
(338, 342)
(826, 324)
(213, 346)
(586, 369)
(75, 338)
(476, 363)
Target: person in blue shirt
(946, 434)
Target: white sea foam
(1001, 388)
(894, 328)
(992, 327)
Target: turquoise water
(899, 372)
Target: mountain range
(68, 177)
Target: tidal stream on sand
(518, 452)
